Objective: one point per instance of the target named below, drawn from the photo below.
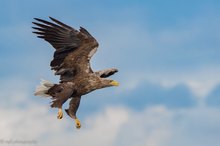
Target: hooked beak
(114, 83)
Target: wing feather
(106, 73)
(73, 48)
(60, 23)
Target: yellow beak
(114, 83)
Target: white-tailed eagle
(71, 61)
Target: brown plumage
(71, 60)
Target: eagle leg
(73, 107)
(60, 113)
(59, 98)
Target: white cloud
(201, 81)
(149, 127)
(102, 128)
(159, 126)
(154, 126)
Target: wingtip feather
(38, 19)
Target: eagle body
(76, 88)
(71, 61)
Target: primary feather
(69, 44)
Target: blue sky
(167, 53)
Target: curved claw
(60, 114)
(78, 124)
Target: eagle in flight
(71, 61)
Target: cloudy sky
(167, 53)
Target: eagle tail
(42, 89)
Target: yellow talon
(60, 114)
(78, 124)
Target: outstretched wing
(74, 48)
(106, 73)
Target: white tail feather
(43, 88)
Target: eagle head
(108, 83)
